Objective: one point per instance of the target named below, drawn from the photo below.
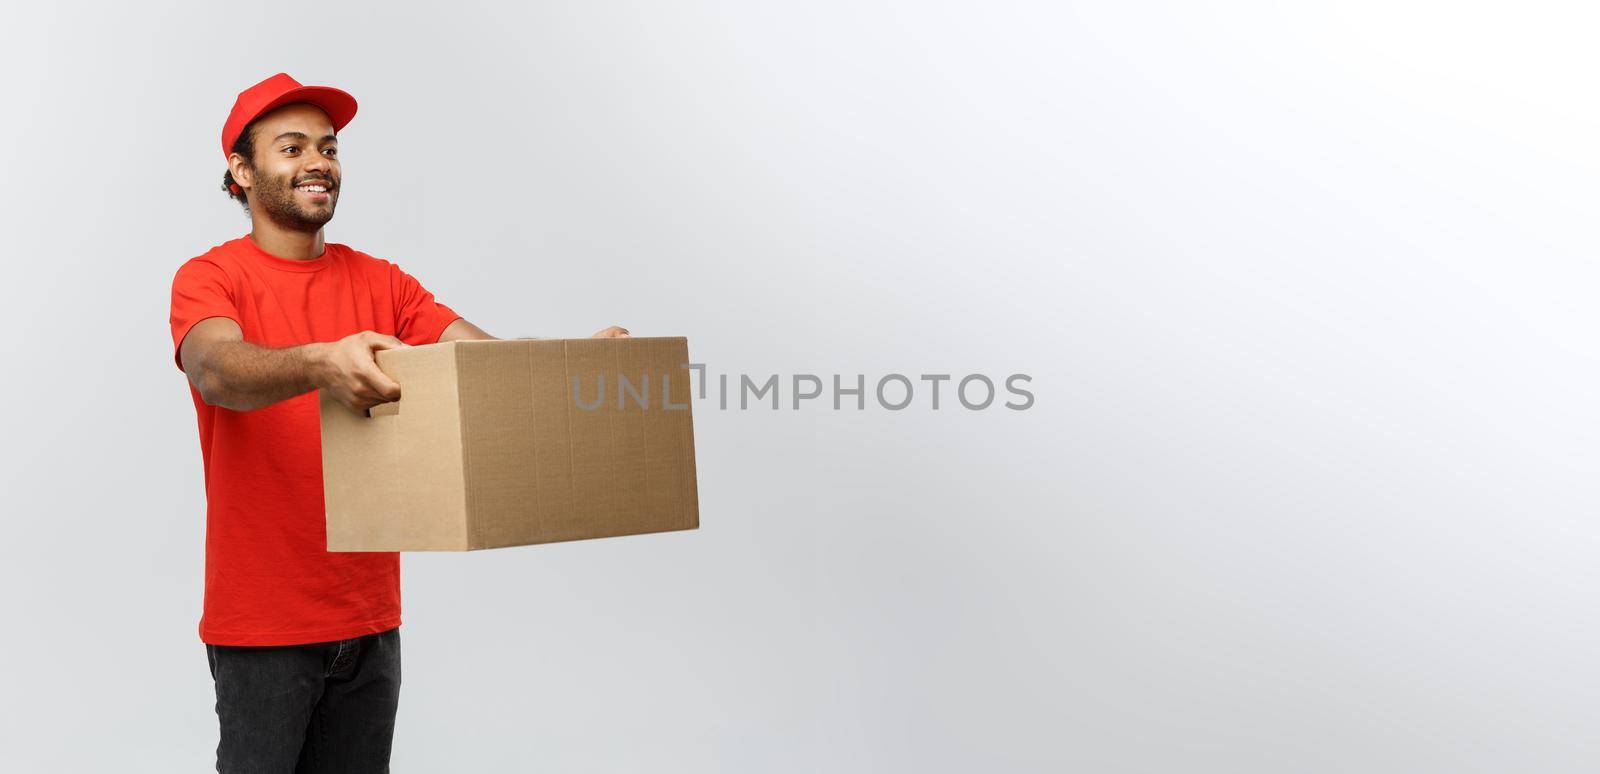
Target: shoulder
(375, 269)
(220, 261)
(357, 259)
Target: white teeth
(316, 188)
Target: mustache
(331, 183)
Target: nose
(319, 164)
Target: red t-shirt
(270, 579)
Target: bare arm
(461, 330)
(235, 374)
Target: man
(303, 644)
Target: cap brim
(339, 106)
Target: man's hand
(614, 332)
(348, 370)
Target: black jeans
(321, 707)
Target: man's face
(295, 178)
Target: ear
(243, 174)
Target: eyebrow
(303, 136)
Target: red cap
(280, 90)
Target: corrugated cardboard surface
(396, 479)
(487, 447)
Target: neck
(285, 243)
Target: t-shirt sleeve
(200, 289)
(420, 318)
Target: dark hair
(244, 146)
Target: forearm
(242, 376)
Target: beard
(275, 197)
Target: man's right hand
(348, 370)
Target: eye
(291, 149)
(331, 151)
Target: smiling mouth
(314, 190)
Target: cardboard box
(491, 445)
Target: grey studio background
(1306, 291)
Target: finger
(380, 385)
(379, 341)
